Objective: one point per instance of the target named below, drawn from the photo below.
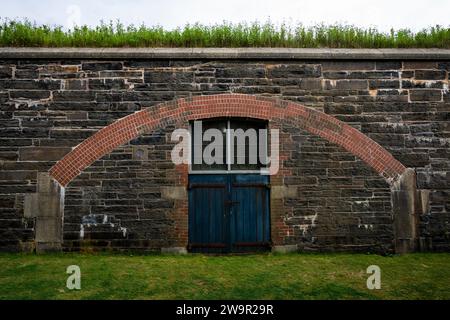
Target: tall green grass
(26, 33)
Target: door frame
(228, 244)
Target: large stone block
(26, 72)
(45, 84)
(384, 84)
(430, 74)
(241, 72)
(73, 96)
(174, 193)
(281, 192)
(168, 77)
(30, 94)
(426, 95)
(107, 84)
(42, 153)
(49, 218)
(5, 72)
(101, 66)
(295, 71)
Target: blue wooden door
(249, 213)
(229, 213)
(207, 214)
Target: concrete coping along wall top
(224, 53)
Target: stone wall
(336, 202)
(340, 203)
(120, 202)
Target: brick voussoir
(235, 105)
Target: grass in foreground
(27, 34)
(293, 276)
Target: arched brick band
(228, 105)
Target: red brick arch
(232, 105)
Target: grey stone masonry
(53, 99)
(49, 214)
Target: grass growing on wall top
(27, 34)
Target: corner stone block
(174, 193)
(49, 218)
(281, 192)
(407, 203)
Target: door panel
(207, 195)
(228, 213)
(249, 216)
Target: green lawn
(22, 33)
(269, 276)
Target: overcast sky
(384, 14)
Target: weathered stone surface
(168, 77)
(73, 96)
(45, 84)
(107, 84)
(347, 85)
(295, 70)
(362, 74)
(42, 153)
(76, 84)
(419, 64)
(281, 192)
(406, 212)
(31, 205)
(49, 214)
(388, 65)
(408, 84)
(101, 66)
(26, 72)
(5, 72)
(30, 95)
(327, 198)
(426, 95)
(430, 74)
(348, 65)
(175, 193)
(384, 84)
(241, 72)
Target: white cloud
(383, 14)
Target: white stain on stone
(81, 231)
(364, 203)
(366, 226)
(305, 227)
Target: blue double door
(229, 213)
